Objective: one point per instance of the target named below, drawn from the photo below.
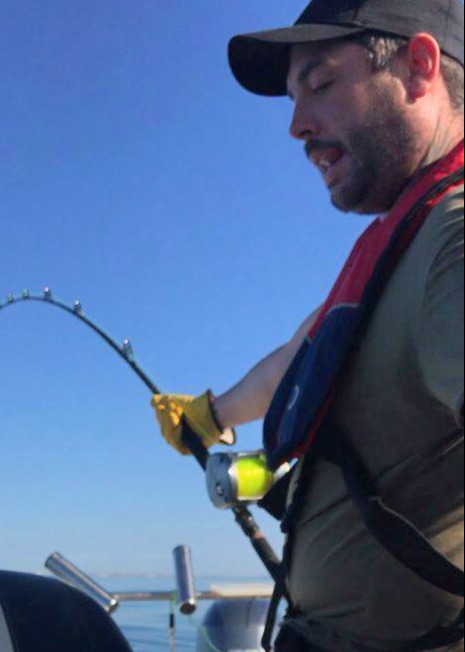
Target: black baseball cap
(260, 61)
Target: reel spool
(237, 478)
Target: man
(371, 385)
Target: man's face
(354, 124)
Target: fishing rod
(125, 350)
(191, 440)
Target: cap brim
(260, 61)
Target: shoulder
(440, 319)
(446, 217)
(440, 242)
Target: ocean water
(146, 628)
(146, 624)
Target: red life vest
(305, 396)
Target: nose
(303, 125)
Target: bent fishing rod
(191, 440)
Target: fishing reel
(235, 479)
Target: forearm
(250, 399)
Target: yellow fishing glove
(198, 412)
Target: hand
(199, 414)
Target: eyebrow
(305, 72)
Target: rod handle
(194, 444)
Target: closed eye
(320, 90)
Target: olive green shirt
(401, 405)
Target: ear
(424, 63)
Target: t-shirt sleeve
(441, 326)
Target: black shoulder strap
(398, 535)
(441, 637)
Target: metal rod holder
(67, 572)
(187, 597)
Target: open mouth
(330, 163)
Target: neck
(447, 137)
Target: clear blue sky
(136, 175)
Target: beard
(381, 153)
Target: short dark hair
(382, 50)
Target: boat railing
(185, 594)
